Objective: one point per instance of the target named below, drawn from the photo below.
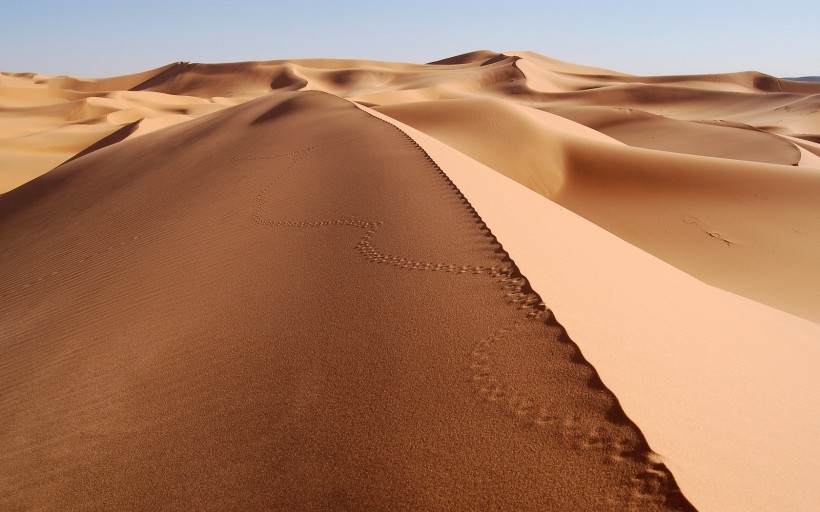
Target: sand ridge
(377, 379)
(692, 364)
(137, 230)
(741, 117)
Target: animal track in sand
(615, 440)
(691, 219)
(365, 246)
(492, 385)
(531, 406)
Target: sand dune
(272, 329)
(44, 121)
(240, 290)
(740, 226)
(701, 370)
(714, 139)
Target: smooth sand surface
(748, 227)
(275, 303)
(742, 239)
(701, 370)
(45, 121)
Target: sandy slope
(746, 241)
(220, 315)
(746, 227)
(44, 121)
(716, 174)
(724, 388)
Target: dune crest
(234, 249)
(269, 333)
(693, 365)
(742, 117)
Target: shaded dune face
(288, 305)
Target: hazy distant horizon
(133, 70)
(92, 38)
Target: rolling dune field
(495, 281)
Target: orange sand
(287, 304)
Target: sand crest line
(488, 382)
(513, 286)
(539, 399)
(526, 409)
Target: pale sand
(724, 388)
(742, 239)
(43, 124)
(715, 174)
(743, 226)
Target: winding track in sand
(453, 408)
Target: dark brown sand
(287, 305)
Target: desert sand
(496, 281)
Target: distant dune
(494, 281)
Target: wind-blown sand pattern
(289, 349)
(292, 303)
(742, 235)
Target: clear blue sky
(103, 38)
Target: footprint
(496, 360)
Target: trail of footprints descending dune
(491, 383)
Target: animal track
(616, 442)
(513, 286)
(691, 219)
(490, 385)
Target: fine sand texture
(715, 174)
(288, 305)
(724, 388)
(281, 284)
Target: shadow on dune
(165, 76)
(118, 136)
